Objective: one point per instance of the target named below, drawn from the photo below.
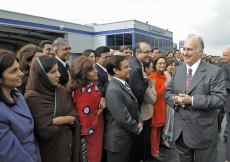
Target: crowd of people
(112, 105)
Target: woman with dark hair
(158, 118)
(89, 53)
(17, 141)
(26, 56)
(147, 113)
(56, 121)
(89, 105)
(167, 132)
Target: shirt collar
(102, 68)
(63, 63)
(193, 67)
(122, 81)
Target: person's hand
(140, 126)
(182, 99)
(102, 103)
(144, 74)
(63, 120)
(226, 160)
(152, 83)
(58, 120)
(109, 77)
(166, 83)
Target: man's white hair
(200, 42)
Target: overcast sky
(208, 18)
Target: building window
(115, 41)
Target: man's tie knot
(67, 66)
(127, 85)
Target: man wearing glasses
(126, 51)
(62, 50)
(102, 55)
(138, 81)
(47, 47)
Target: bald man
(226, 69)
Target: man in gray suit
(123, 120)
(196, 91)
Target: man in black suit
(138, 83)
(102, 55)
(123, 120)
(62, 50)
(138, 79)
(177, 54)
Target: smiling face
(91, 75)
(54, 75)
(11, 77)
(144, 53)
(171, 67)
(191, 51)
(160, 66)
(63, 52)
(124, 72)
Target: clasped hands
(182, 99)
(140, 126)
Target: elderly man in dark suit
(123, 120)
(102, 55)
(196, 91)
(62, 50)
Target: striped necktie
(189, 78)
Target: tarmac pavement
(172, 155)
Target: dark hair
(147, 64)
(87, 52)
(122, 48)
(154, 49)
(156, 60)
(100, 50)
(136, 48)
(25, 55)
(44, 42)
(78, 71)
(47, 62)
(175, 52)
(114, 62)
(169, 53)
(7, 59)
(169, 62)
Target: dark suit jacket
(137, 82)
(226, 69)
(102, 81)
(122, 117)
(178, 63)
(64, 74)
(198, 122)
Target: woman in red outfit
(158, 118)
(89, 104)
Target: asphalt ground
(172, 154)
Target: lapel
(19, 109)
(101, 71)
(123, 87)
(198, 76)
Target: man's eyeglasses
(146, 52)
(65, 49)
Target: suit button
(35, 152)
(183, 119)
(30, 132)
